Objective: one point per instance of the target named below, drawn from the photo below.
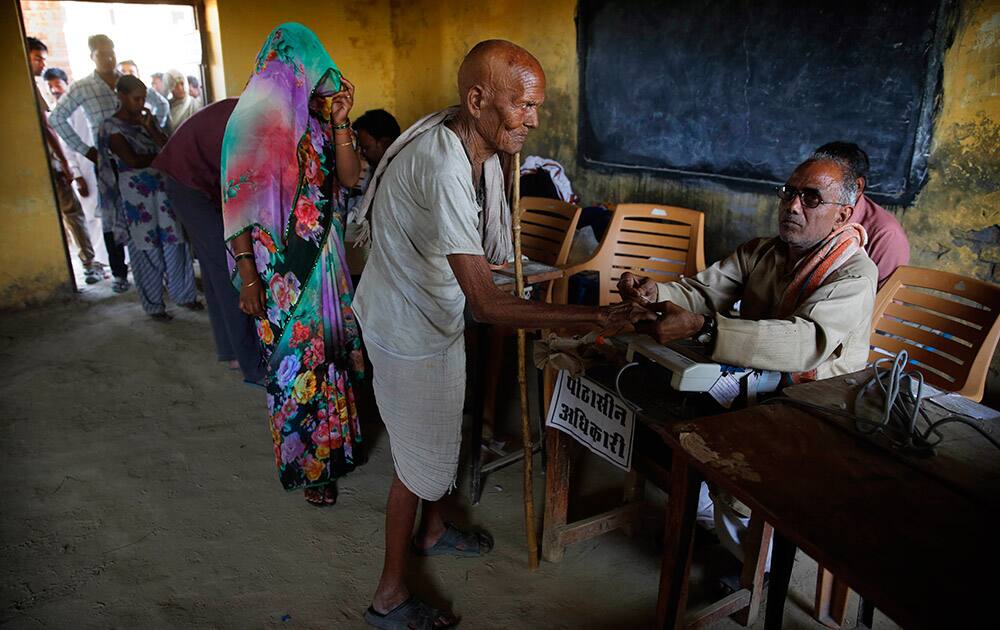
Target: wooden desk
(534, 273)
(663, 408)
(919, 546)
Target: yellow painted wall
(403, 56)
(356, 34)
(960, 198)
(952, 225)
(33, 264)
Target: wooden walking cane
(528, 489)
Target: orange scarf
(813, 270)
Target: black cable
(900, 409)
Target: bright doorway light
(158, 37)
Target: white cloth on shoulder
(496, 228)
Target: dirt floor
(138, 491)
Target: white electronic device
(690, 370)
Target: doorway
(156, 38)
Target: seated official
(887, 245)
(806, 296)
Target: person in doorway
(64, 175)
(440, 217)
(158, 84)
(887, 245)
(288, 159)
(129, 141)
(191, 163)
(194, 89)
(156, 103)
(96, 95)
(182, 106)
(58, 82)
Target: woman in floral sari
(288, 160)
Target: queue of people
(266, 186)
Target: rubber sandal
(412, 614)
(193, 306)
(455, 542)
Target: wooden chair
(547, 229)
(662, 242)
(949, 326)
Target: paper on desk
(761, 382)
(725, 390)
(959, 404)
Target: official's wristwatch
(706, 334)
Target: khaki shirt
(828, 332)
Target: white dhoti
(420, 400)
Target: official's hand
(617, 316)
(632, 288)
(92, 155)
(81, 187)
(253, 299)
(674, 323)
(342, 102)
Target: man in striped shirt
(96, 95)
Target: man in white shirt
(439, 218)
(95, 94)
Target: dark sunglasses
(810, 196)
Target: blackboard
(744, 90)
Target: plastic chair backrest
(547, 228)
(947, 323)
(661, 242)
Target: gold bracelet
(244, 254)
(250, 285)
(346, 144)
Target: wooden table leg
(830, 607)
(866, 614)
(557, 474)
(635, 490)
(782, 560)
(758, 543)
(678, 541)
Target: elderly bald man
(440, 217)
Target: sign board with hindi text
(594, 417)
